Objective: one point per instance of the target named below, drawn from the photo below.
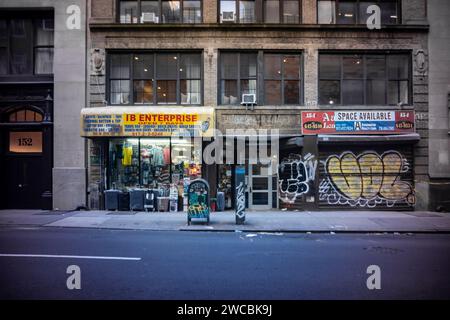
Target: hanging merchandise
(166, 155)
(156, 155)
(127, 154)
(164, 177)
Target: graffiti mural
(366, 180)
(295, 175)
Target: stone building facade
(42, 92)
(383, 169)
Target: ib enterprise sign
(144, 121)
(357, 122)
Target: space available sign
(140, 121)
(357, 122)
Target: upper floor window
(280, 77)
(364, 79)
(155, 78)
(355, 11)
(238, 73)
(282, 11)
(26, 45)
(160, 11)
(241, 11)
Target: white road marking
(67, 256)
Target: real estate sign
(358, 122)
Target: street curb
(302, 231)
(320, 231)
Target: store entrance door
(260, 186)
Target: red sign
(357, 122)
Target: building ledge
(95, 26)
(395, 138)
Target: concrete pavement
(270, 221)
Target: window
(26, 44)
(119, 77)
(152, 162)
(364, 79)
(160, 11)
(25, 115)
(4, 41)
(43, 49)
(355, 11)
(128, 11)
(241, 11)
(156, 78)
(238, 76)
(291, 11)
(280, 79)
(143, 79)
(285, 11)
(192, 12)
(171, 12)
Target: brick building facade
(338, 68)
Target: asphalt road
(211, 265)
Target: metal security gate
(376, 177)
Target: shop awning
(147, 121)
(395, 138)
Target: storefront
(138, 147)
(365, 159)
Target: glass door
(260, 186)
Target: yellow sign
(142, 122)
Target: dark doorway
(25, 160)
(24, 177)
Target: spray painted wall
(371, 179)
(296, 176)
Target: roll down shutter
(366, 178)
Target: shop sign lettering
(163, 124)
(357, 122)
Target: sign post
(240, 194)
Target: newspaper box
(198, 201)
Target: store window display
(154, 163)
(186, 162)
(124, 162)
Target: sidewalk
(270, 221)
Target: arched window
(25, 115)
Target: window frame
(260, 12)
(281, 12)
(364, 55)
(260, 76)
(139, 12)
(239, 77)
(155, 79)
(283, 78)
(34, 17)
(357, 2)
